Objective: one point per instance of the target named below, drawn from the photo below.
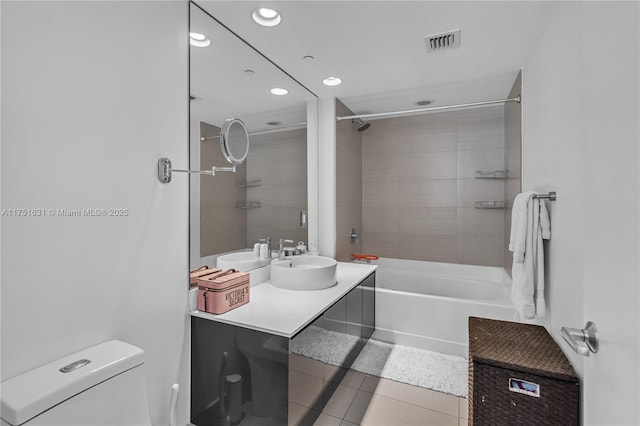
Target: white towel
(544, 233)
(529, 226)
(519, 225)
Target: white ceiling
(224, 90)
(377, 47)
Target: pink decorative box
(222, 291)
(200, 272)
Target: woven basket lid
(524, 347)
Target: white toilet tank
(108, 390)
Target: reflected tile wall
(419, 187)
(222, 227)
(279, 160)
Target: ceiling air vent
(443, 41)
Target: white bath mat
(418, 367)
(329, 347)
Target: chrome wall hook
(582, 341)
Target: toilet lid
(28, 395)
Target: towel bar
(551, 196)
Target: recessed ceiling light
(199, 40)
(249, 72)
(274, 123)
(332, 81)
(425, 102)
(308, 58)
(279, 91)
(266, 17)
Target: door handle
(582, 341)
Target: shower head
(362, 126)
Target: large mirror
(266, 197)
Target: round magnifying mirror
(234, 140)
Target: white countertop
(286, 312)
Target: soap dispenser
(301, 248)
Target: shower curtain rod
(421, 110)
(265, 130)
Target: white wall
(611, 104)
(553, 160)
(581, 109)
(313, 183)
(327, 176)
(93, 93)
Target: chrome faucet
(267, 241)
(281, 252)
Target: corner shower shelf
(491, 204)
(248, 204)
(496, 174)
(248, 183)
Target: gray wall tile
(472, 160)
(383, 244)
(279, 160)
(222, 226)
(434, 248)
(380, 219)
(472, 190)
(427, 193)
(485, 250)
(427, 165)
(427, 220)
(349, 189)
(419, 187)
(472, 221)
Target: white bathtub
(427, 304)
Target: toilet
(104, 385)
(268, 358)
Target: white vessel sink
(304, 273)
(243, 261)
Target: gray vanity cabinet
(233, 366)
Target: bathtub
(427, 304)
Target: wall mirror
(232, 107)
(234, 141)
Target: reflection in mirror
(328, 347)
(267, 195)
(234, 141)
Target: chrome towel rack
(551, 196)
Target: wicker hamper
(519, 376)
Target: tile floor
(352, 398)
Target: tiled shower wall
(223, 227)
(419, 187)
(279, 161)
(512, 156)
(348, 184)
